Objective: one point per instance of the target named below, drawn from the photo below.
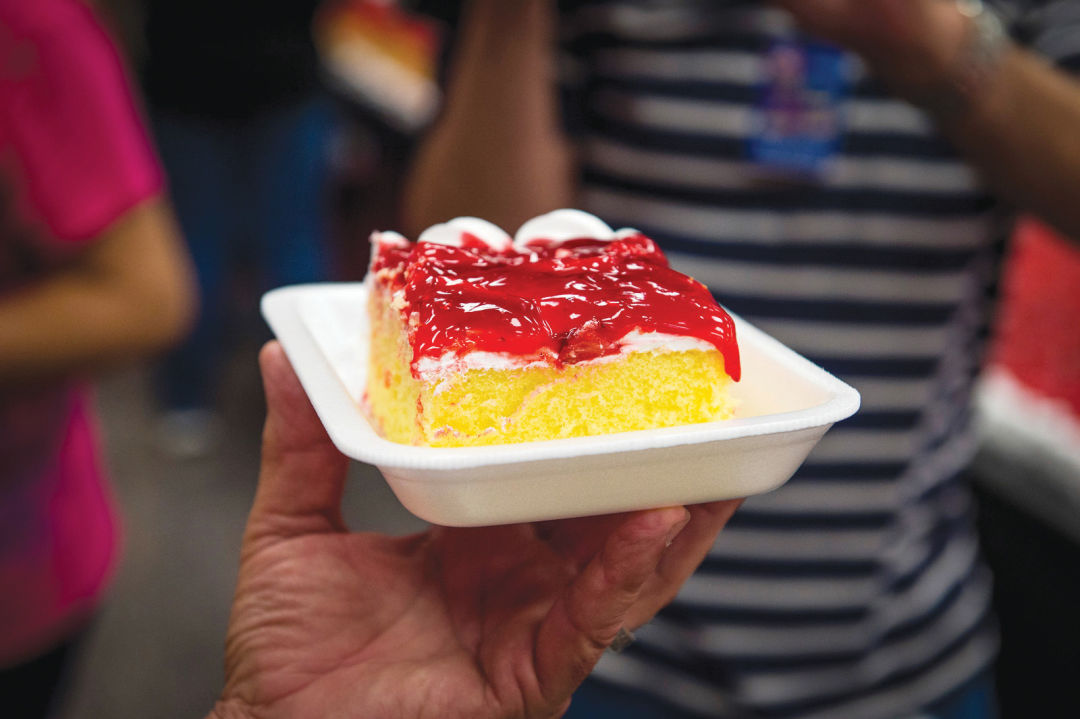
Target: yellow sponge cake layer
(392, 391)
(631, 391)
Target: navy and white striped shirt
(856, 589)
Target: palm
(320, 606)
(351, 597)
(488, 622)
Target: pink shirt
(75, 152)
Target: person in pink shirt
(91, 273)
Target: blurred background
(359, 79)
(362, 75)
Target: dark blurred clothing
(247, 194)
(599, 700)
(36, 689)
(244, 129)
(228, 59)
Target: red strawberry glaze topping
(559, 301)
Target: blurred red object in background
(1038, 340)
(382, 57)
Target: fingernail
(674, 531)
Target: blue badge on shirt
(799, 113)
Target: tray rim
(280, 308)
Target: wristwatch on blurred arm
(974, 69)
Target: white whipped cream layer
(435, 370)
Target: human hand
(911, 44)
(485, 622)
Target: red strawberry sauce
(563, 302)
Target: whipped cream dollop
(455, 232)
(562, 225)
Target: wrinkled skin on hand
(485, 622)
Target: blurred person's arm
(497, 150)
(128, 293)
(1019, 129)
(108, 279)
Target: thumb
(302, 477)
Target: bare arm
(129, 294)
(1022, 135)
(1019, 130)
(497, 150)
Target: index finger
(682, 558)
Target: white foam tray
(786, 404)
